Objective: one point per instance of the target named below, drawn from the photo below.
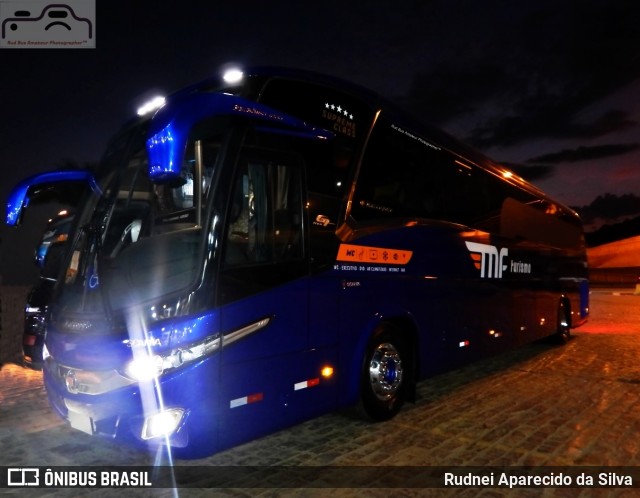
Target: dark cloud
(584, 153)
(532, 76)
(449, 91)
(608, 122)
(547, 118)
(610, 207)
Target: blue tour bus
(265, 250)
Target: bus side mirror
(46, 187)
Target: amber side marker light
(327, 372)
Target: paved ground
(538, 406)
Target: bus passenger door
(263, 297)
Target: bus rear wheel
(384, 374)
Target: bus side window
(265, 217)
(399, 178)
(464, 187)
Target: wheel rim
(563, 323)
(385, 371)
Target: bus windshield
(137, 228)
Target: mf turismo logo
(488, 259)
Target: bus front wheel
(384, 374)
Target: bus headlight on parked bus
(146, 367)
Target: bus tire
(384, 375)
(563, 332)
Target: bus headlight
(163, 423)
(145, 367)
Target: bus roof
(256, 77)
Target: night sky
(548, 87)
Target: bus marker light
(327, 372)
(246, 400)
(152, 105)
(306, 383)
(233, 75)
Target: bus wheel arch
(388, 373)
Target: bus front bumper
(161, 412)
